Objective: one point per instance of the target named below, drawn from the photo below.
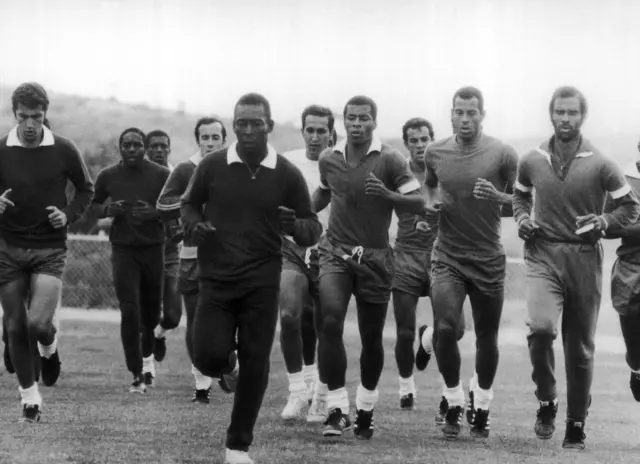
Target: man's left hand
(57, 218)
(598, 222)
(375, 187)
(287, 220)
(485, 190)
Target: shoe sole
(336, 433)
(137, 390)
(475, 433)
(573, 446)
(316, 420)
(363, 437)
(451, 431)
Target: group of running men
(237, 231)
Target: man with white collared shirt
(35, 167)
(364, 180)
(210, 135)
(567, 181)
(239, 203)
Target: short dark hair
(134, 130)
(156, 133)
(467, 93)
(319, 111)
(30, 94)
(255, 99)
(206, 121)
(567, 91)
(417, 123)
(362, 100)
(334, 138)
(47, 123)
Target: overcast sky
(409, 55)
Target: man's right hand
(527, 228)
(201, 231)
(116, 208)
(432, 215)
(4, 201)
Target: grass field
(90, 418)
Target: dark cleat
(546, 420)
(50, 369)
(574, 436)
(364, 425)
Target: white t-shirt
(311, 173)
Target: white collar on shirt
(376, 145)
(269, 161)
(14, 141)
(196, 158)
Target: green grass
(90, 418)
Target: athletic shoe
(634, 384)
(546, 420)
(294, 408)
(160, 349)
(30, 413)
(50, 369)
(148, 379)
(423, 355)
(481, 423)
(7, 360)
(574, 436)
(407, 402)
(441, 416)
(453, 421)
(201, 396)
(237, 457)
(471, 410)
(336, 424)
(318, 411)
(138, 385)
(364, 424)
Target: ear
(375, 123)
(270, 125)
(483, 115)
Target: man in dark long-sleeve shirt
(571, 179)
(35, 166)
(250, 197)
(625, 280)
(137, 241)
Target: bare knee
(447, 329)
(405, 334)
(290, 319)
(332, 326)
(39, 327)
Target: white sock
(31, 395)
(47, 351)
(366, 400)
(296, 383)
(322, 390)
(148, 366)
(482, 398)
(473, 383)
(454, 396)
(202, 381)
(636, 371)
(407, 386)
(310, 373)
(159, 332)
(338, 399)
(444, 386)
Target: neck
(359, 150)
(468, 142)
(254, 156)
(34, 144)
(567, 148)
(313, 156)
(419, 164)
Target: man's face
(30, 121)
(359, 124)
(132, 149)
(567, 118)
(210, 138)
(466, 118)
(251, 126)
(316, 134)
(159, 150)
(417, 142)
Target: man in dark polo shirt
(137, 249)
(35, 166)
(239, 202)
(364, 180)
(158, 150)
(571, 180)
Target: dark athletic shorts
(15, 262)
(294, 259)
(188, 276)
(412, 271)
(487, 274)
(625, 285)
(372, 277)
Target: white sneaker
(319, 411)
(237, 457)
(294, 407)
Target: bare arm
(522, 193)
(320, 199)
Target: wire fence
(88, 281)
